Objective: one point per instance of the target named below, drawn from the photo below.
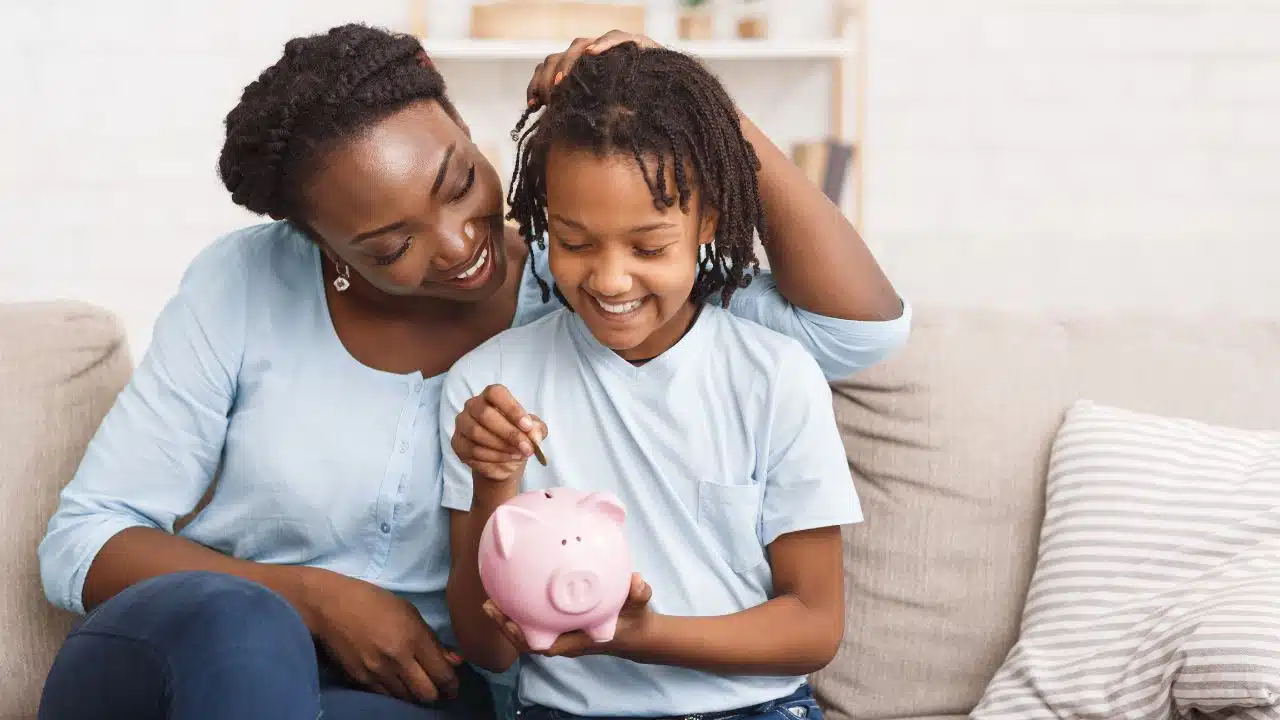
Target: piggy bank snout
(575, 591)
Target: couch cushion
(61, 367)
(1154, 594)
(949, 442)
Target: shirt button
(404, 446)
(385, 528)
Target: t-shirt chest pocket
(730, 517)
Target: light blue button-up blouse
(320, 459)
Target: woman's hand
(633, 625)
(380, 639)
(551, 71)
(494, 435)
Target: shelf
(497, 50)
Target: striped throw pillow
(1156, 592)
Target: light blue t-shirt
(322, 461)
(716, 447)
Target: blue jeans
(208, 646)
(799, 705)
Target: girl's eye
(394, 256)
(573, 248)
(466, 185)
(642, 252)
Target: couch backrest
(949, 443)
(61, 366)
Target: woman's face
(413, 207)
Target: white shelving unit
(498, 50)
(833, 53)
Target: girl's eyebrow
(650, 227)
(566, 221)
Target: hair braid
(324, 88)
(656, 106)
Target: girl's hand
(494, 435)
(633, 624)
(551, 71)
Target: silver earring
(342, 282)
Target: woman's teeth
(620, 309)
(484, 255)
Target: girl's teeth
(484, 255)
(623, 308)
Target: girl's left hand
(551, 71)
(632, 623)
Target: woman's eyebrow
(444, 167)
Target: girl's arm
(795, 633)
(480, 432)
(807, 496)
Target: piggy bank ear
(508, 521)
(606, 504)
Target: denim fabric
(799, 705)
(207, 646)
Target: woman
(300, 363)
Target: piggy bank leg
(539, 639)
(604, 631)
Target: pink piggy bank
(555, 561)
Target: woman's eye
(395, 255)
(466, 185)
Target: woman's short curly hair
(325, 88)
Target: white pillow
(1156, 591)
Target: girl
(717, 434)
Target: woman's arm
(824, 288)
(817, 258)
(156, 451)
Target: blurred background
(1078, 156)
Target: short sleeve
(467, 378)
(807, 484)
(157, 449)
(841, 347)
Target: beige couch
(948, 443)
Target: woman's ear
(452, 112)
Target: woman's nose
(455, 246)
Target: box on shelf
(552, 19)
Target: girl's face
(413, 207)
(626, 267)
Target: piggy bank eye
(578, 539)
(564, 542)
(547, 494)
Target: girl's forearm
(781, 637)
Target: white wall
(112, 127)
(1086, 154)
(1081, 154)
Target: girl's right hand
(493, 434)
